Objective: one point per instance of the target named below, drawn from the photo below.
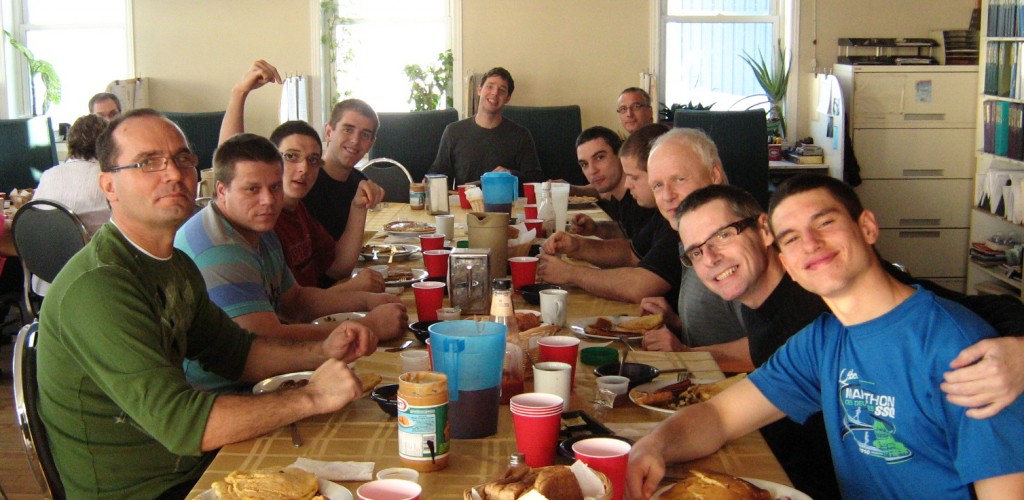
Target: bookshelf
(1000, 140)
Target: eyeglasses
(636, 106)
(721, 238)
(312, 160)
(183, 161)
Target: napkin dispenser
(437, 194)
(469, 282)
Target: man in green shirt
(128, 309)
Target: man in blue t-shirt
(873, 366)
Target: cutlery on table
(622, 364)
(405, 345)
(391, 257)
(296, 438)
(625, 340)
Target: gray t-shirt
(468, 151)
(707, 318)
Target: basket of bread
(708, 485)
(557, 482)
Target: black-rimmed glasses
(183, 161)
(721, 237)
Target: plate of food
(581, 201)
(299, 379)
(610, 327)
(710, 484)
(403, 275)
(338, 318)
(382, 253)
(409, 228)
(667, 396)
(289, 482)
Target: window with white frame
(702, 41)
(86, 41)
(376, 39)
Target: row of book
(1001, 192)
(1003, 129)
(1005, 18)
(1002, 77)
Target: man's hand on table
(662, 339)
(368, 195)
(659, 305)
(554, 270)
(583, 225)
(367, 280)
(332, 386)
(388, 320)
(986, 376)
(351, 340)
(561, 243)
(645, 470)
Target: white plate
(427, 227)
(403, 252)
(417, 275)
(654, 386)
(271, 384)
(777, 490)
(329, 489)
(579, 326)
(338, 318)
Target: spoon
(622, 364)
(296, 438)
(405, 345)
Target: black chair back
(46, 235)
(202, 131)
(27, 149)
(742, 140)
(26, 401)
(412, 138)
(390, 175)
(554, 130)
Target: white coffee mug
(553, 377)
(552, 306)
(446, 225)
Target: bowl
(637, 373)
(419, 329)
(386, 397)
(531, 293)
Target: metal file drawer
(926, 252)
(918, 203)
(914, 153)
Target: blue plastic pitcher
(500, 190)
(471, 354)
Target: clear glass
(719, 7)
(703, 64)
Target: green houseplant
(428, 84)
(773, 79)
(47, 74)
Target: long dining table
(362, 432)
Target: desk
(362, 432)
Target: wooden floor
(16, 478)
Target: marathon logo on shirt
(869, 418)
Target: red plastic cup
(436, 262)
(530, 211)
(389, 489)
(537, 225)
(429, 297)
(606, 455)
(530, 190)
(524, 271)
(536, 432)
(463, 202)
(561, 348)
(431, 241)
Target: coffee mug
(552, 306)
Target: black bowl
(419, 329)
(531, 293)
(386, 397)
(637, 373)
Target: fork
(391, 257)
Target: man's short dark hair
(503, 74)
(103, 96)
(293, 127)
(598, 132)
(637, 90)
(741, 203)
(359, 106)
(242, 147)
(107, 149)
(639, 144)
(82, 136)
(841, 191)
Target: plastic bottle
(417, 196)
(423, 432)
(503, 313)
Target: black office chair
(26, 405)
(46, 235)
(411, 138)
(742, 140)
(554, 130)
(202, 131)
(390, 175)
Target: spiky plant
(773, 79)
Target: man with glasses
(105, 105)
(235, 248)
(872, 365)
(127, 310)
(487, 141)
(634, 109)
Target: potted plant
(428, 84)
(47, 75)
(773, 79)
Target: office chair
(390, 175)
(46, 235)
(26, 405)
(202, 131)
(412, 138)
(742, 140)
(554, 130)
